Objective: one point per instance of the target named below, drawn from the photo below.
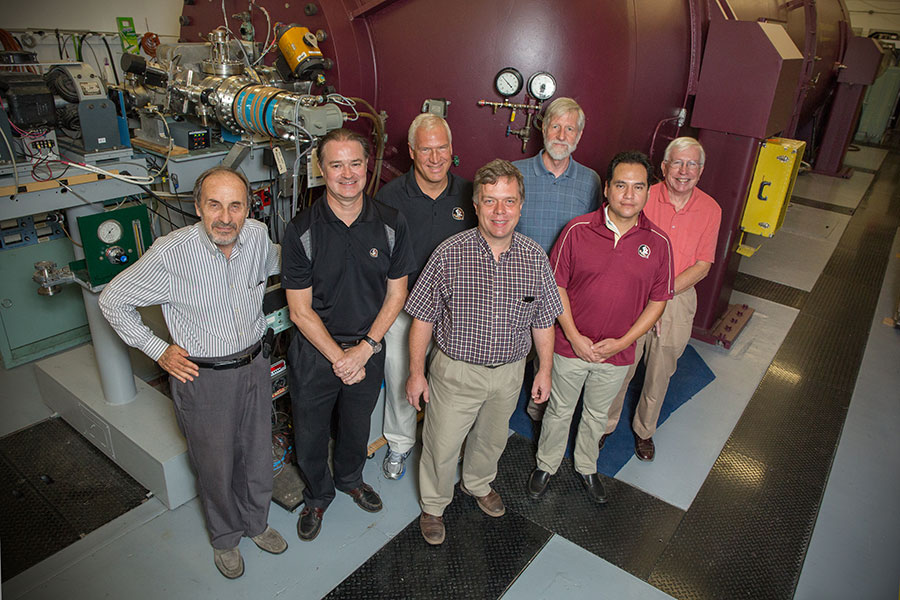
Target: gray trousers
(225, 417)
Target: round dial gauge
(542, 85)
(109, 231)
(508, 82)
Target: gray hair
(428, 121)
(684, 143)
(561, 106)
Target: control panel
(113, 240)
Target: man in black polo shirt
(344, 265)
(440, 205)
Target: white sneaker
(394, 465)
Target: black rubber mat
(480, 558)
(843, 210)
(747, 531)
(770, 290)
(55, 487)
(631, 530)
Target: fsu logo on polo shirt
(644, 251)
(458, 214)
(374, 252)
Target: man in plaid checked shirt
(483, 294)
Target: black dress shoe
(594, 487)
(310, 523)
(537, 483)
(366, 498)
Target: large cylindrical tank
(630, 64)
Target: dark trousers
(225, 417)
(315, 394)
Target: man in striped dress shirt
(209, 279)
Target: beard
(556, 153)
(226, 239)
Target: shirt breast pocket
(256, 289)
(523, 312)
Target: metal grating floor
(747, 531)
(55, 487)
(770, 290)
(480, 558)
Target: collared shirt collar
(609, 224)
(665, 199)
(366, 214)
(413, 190)
(211, 247)
(486, 248)
(602, 223)
(541, 169)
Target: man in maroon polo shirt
(691, 219)
(615, 274)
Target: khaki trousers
(465, 400)
(661, 353)
(600, 381)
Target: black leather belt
(348, 345)
(495, 366)
(231, 363)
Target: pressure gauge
(109, 231)
(508, 82)
(542, 85)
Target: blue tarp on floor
(692, 376)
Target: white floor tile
(690, 440)
(564, 570)
(833, 190)
(798, 253)
(865, 157)
(20, 402)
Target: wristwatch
(376, 346)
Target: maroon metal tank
(633, 65)
(629, 64)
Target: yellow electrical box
(773, 180)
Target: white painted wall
(877, 15)
(158, 16)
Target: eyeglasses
(691, 164)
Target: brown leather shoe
(432, 527)
(602, 441)
(644, 449)
(491, 505)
